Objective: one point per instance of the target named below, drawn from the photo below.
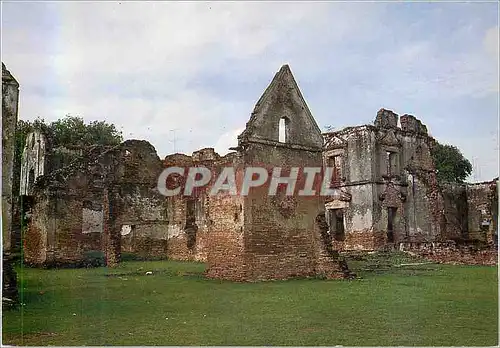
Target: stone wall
(388, 192)
(66, 221)
(456, 210)
(143, 218)
(263, 237)
(104, 203)
(280, 232)
(482, 207)
(386, 167)
(10, 100)
(472, 212)
(189, 216)
(34, 161)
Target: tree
(72, 130)
(69, 131)
(451, 165)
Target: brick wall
(226, 254)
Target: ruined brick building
(268, 237)
(386, 184)
(387, 189)
(104, 200)
(385, 192)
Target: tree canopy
(68, 131)
(451, 165)
(71, 131)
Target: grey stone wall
(390, 181)
(33, 161)
(10, 100)
(482, 206)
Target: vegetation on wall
(69, 131)
(451, 165)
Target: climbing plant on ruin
(451, 165)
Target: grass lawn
(407, 305)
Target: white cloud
(108, 58)
(227, 140)
(133, 63)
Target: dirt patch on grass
(35, 338)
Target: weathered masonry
(387, 191)
(386, 184)
(10, 99)
(104, 200)
(472, 211)
(258, 236)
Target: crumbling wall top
(386, 119)
(178, 159)
(410, 123)
(206, 154)
(7, 77)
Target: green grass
(408, 305)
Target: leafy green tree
(69, 131)
(72, 130)
(451, 165)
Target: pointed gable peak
(283, 76)
(282, 99)
(285, 67)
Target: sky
(186, 75)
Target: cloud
(227, 140)
(186, 75)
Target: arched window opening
(283, 130)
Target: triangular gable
(282, 98)
(334, 141)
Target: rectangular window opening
(391, 162)
(283, 130)
(335, 162)
(336, 224)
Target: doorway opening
(336, 224)
(391, 215)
